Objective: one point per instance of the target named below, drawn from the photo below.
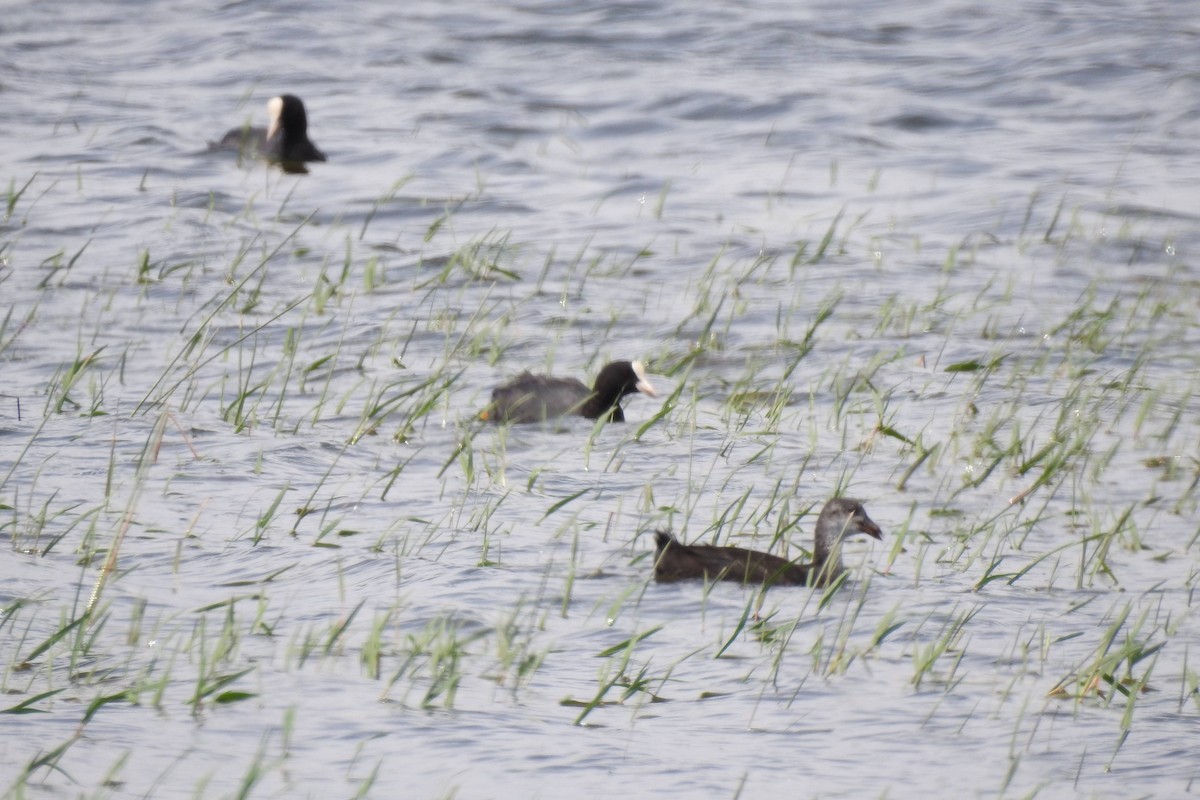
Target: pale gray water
(648, 167)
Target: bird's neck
(827, 551)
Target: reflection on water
(946, 248)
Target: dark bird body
(841, 517)
(285, 140)
(535, 398)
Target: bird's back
(533, 398)
(676, 562)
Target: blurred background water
(641, 180)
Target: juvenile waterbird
(535, 398)
(840, 518)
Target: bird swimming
(284, 141)
(535, 398)
(840, 518)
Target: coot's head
(843, 516)
(616, 380)
(620, 378)
(287, 114)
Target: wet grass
(300, 493)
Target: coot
(285, 141)
(841, 517)
(534, 398)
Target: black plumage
(534, 398)
(285, 140)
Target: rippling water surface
(942, 258)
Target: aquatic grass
(1097, 562)
(235, 410)
(203, 336)
(213, 658)
(887, 625)
(491, 542)
(518, 655)
(151, 272)
(1189, 684)
(801, 256)
(1109, 670)
(59, 269)
(330, 285)
(839, 654)
(432, 662)
(572, 566)
(616, 675)
(480, 259)
(147, 457)
(28, 537)
(69, 628)
(47, 760)
(753, 604)
(948, 640)
(266, 518)
(64, 381)
(777, 639)
(587, 266)
(749, 400)
(426, 394)
(17, 327)
(388, 197)
(835, 643)
(13, 195)
(310, 506)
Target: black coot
(534, 398)
(285, 141)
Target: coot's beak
(642, 384)
(275, 111)
(868, 526)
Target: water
(1015, 181)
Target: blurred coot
(285, 140)
(534, 398)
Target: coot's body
(285, 141)
(841, 517)
(535, 398)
